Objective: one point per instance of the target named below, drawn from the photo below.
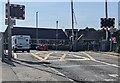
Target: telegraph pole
(106, 12)
(9, 33)
(72, 12)
(56, 33)
(36, 28)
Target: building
(45, 36)
(90, 39)
(68, 32)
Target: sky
(87, 14)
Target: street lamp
(56, 33)
(36, 28)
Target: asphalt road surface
(78, 66)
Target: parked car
(42, 47)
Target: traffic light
(16, 11)
(107, 22)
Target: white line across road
(91, 58)
(82, 65)
(113, 75)
(61, 74)
(114, 65)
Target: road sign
(107, 22)
(13, 22)
(16, 11)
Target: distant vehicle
(42, 47)
(21, 43)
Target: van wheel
(28, 51)
(23, 51)
(14, 51)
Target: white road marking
(61, 74)
(109, 79)
(67, 60)
(107, 63)
(113, 75)
(81, 65)
(91, 58)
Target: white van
(21, 43)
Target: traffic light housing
(16, 11)
(107, 22)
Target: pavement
(62, 66)
(27, 68)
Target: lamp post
(56, 33)
(36, 28)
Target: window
(15, 41)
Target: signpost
(13, 11)
(108, 23)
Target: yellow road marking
(48, 55)
(63, 57)
(38, 57)
(80, 57)
(91, 58)
(37, 53)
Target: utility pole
(72, 12)
(36, 28)
(9, 34)
(56, 34)
(106, 12)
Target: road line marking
(109, 79)
(37, 53)
(91, 58)
(107, 63)
(68, 60)
(48, 55)
(15, 55)
(113, 75)
(79, 57)
(38, 57)
(81, 65)
(63, 57)
(61, 74)
(113, 56)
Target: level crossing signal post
(13, 11)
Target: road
(76, 66)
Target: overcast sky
(88, 14)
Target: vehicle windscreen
(22, 40)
